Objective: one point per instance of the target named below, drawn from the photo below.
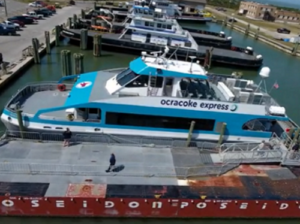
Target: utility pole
(5, 8)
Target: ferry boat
(154, 97)
(141, 16)
(182, 12)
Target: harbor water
(285, 71)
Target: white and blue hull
(12, 126)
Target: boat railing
(272, 151)
(32, 88)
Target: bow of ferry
(42, 178)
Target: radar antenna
(264, 74)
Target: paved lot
(12, 46)
(266, 31)
(13, 7)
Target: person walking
(67, 136)
(112, 162)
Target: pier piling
(222, 132)
(36, 46)
(20, 122)
(66, 65)
(257, 33)
(3, 68)
(75, 21)
(47, 41)
(78, 63)
(224, 23)
(97, 45)
(232, 22)
(82, 14)
(83, 39)
(295, 48)
(69, 22)
(208, 56)
(57, 34)
(190, 134)
(93, 22)
(296, 135)
(247, 29)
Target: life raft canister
(61, 87)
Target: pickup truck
(5, 30)
(16, 26)
(34, 15)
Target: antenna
(166, 51)
(192, 61)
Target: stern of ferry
(29, 100)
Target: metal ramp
(274, 151)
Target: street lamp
(5, 8)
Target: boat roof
(167, 68)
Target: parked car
(44, 4)
(18, 22)
(6, 30)
(34, 15)
(24, 19)
(44, 12)
(35, 5)
(51, 8)
(16, 26)
(283, 30)
(230, 20)
(1, 4)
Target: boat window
(141, 81)
(140, 120)
(146, 23)
(138, 22)
(151, 24)
(164, 26)
(159, 25)
(169, 27)
(125, 77)
(260, 124)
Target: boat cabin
(151, 26)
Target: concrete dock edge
(16, 70)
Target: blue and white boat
(154, 97)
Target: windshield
(126, 76)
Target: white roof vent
(265, 72)
(259, 56)
(249, 48)
(276, 110)
(229, 38)
(221, 32)
(70, 111)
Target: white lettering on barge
(35, 203)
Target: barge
(38, 178)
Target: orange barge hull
(148, 208)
